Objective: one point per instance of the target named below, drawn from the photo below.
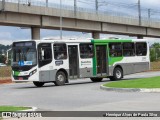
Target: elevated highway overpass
(37, 17)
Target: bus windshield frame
(24, 54)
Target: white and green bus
(59, 61)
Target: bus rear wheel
(38, 84)
(96, 79)
(117, 74)
(60, 78)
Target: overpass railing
(132, 15)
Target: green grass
(12, 108)
(153, 82)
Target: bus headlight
(33, 72)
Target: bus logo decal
(58, 63)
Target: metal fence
(128, 13)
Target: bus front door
(73, 61)
(101, 57)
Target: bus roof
(84, 40)
(57, 41)
(117, 40)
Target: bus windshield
(24, 56)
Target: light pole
(75, 8)
(96, 5)
(3, 5)
(149, 14)
(46, 3)
(61, 19)
(100, 4)
(139, 11)
(18, 4)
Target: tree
(155, 52)
(2, 59)
(156, 45)
(3, 50)
(152, 55)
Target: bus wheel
(60, 78)
(117, 74)
(38, 84)
(96, 79)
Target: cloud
(5, 35)
(151, 3)
(6, 42)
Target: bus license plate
(20, 78)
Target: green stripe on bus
(112, 60)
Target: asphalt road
(79, 95)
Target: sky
(9, 34)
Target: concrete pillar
(35, 33)
(95, 35)
(139, 37)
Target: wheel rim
(118, 74)
(60, 78)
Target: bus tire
(60, 78)
(38, 84)
(117, 74)
(96, 79)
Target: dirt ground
(155, 65)
(5, 75)
(5, 81)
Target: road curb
(130, 89)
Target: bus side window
(128, 49)
(60, 51)
(115, 49)
(44, 54)
(86, 50)
(141, 49)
